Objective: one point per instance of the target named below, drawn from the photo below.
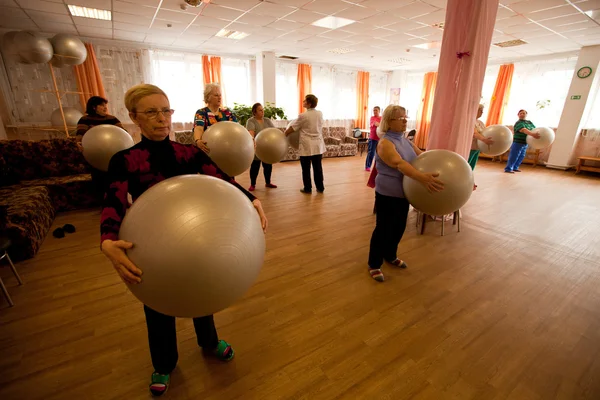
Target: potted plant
(244, 112)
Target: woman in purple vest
(392, 160)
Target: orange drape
(206, 70)
(424, 112)
(304, 83)
(89, 80)
(362, 99)
(501, 95)
(215, 69)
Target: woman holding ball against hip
(392, 160)
(134, 171)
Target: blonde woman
(211, 114)
(392, 161)
(134, 171)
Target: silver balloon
(198, 241)
(72, 117)
(10, 48)
(502, 137)
(454, 172)
(271, 145)
(102, 142)
(68, 50)
(231, 147)
(33, 48)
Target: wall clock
(584, 72)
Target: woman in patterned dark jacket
(133, 171)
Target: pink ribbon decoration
(463, 53)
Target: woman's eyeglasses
(152, 114)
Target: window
(236, 82)
(336, 89)
(378, 90)
(489, 83)
(286, 88)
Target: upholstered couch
(37, 180)
(337, 144)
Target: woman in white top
(255, 124)
(312, 145)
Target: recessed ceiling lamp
(427, 46)
(340, 50)
(332, 22)
(94, 13)
(510, 43)
(232, 34)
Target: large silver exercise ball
(271, 145)
(34, 48)
(546, 138)
(502, 137)
(102, 142)
(68, 50)
(199, 243)
(10, 48)
(231, 147)
(72, 117)
(454, 172)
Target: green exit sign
(576, 97)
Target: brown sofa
(37, 180)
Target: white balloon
(454, 172)
(198, 241)
(231, 147)
(102, 142)
(502, 137)
(546, 138)
(271, 145)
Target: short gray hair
(387, 116)
(208, 90)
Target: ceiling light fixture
(232, 34)
(427, 46)
(94, 13)
(340, 50)
(332, 22)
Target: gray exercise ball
(231, 147)
(102, 142)
(72, 117)
(454, 172)
(10, 49)
(271, 145)
(33, 48)
(199, 243)
(68, 50)
(502, 137)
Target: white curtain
(179, 75)
(540, 88)
(378, 90)
(121, 68)
(286, 88)
(235, 74)
(336, 89)
(410, 96)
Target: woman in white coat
(312, 145)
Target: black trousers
(162, 338)
(392, 213)
(305, 162)
(255, 167)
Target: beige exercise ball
(271, 145)
(72, 117)
(231, 147)
(546, 138)
(102, 142)
(502, 137)
(10, 48)
(294, 140)
(198, 241)
(33, 48)
(454, 172)
(68, 50)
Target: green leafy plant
(541, 104)
(244, 112)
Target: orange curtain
(89, 80)
(501, 94)
(206, 70)
(215, 69)
(304, 83)
(362, 99)
(424, 112)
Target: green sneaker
(224, 351)
(159, 384)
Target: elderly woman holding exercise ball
(134, 171)
(211, 114)
(392, 160)
(255, 124)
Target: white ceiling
(381, 38)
